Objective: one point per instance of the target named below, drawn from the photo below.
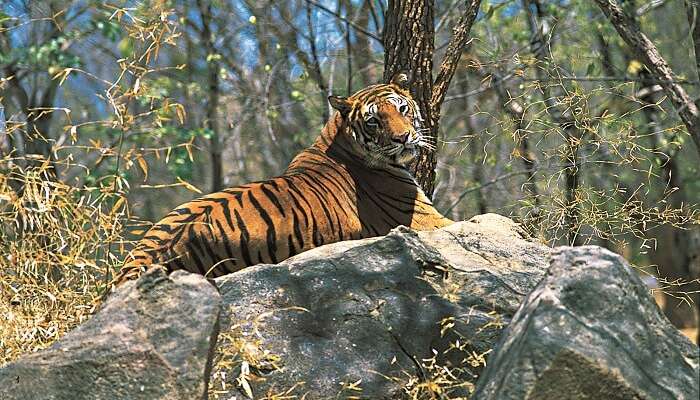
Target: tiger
(353, 182)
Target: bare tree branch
(348, 47)
(692, 8)
(316, 65)
(649, 54)
(347, 21)
(460, 38)
(375, 17)
(483, 185)
(650, 6)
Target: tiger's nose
(402, 138)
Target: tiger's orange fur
(351, 183)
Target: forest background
(116, 112)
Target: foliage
(58, 244)
(114, 108)
(64, 215)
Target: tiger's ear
(400, 79)
(342, 104)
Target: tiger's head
(384, 121)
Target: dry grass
(60, 244)
(691, 333)
(242, 360)
(57, 248)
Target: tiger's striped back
(351, 183)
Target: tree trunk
(409, 35)
(212, 120)
(409, 45)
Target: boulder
(591, 330)
(152, 339)
(404, 314)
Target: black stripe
(226, 240)
(191, 240)
(183, 228)
(225, 203)
(373, 231)
(293, 190)
(191, 217)
(271, 234)
(403, 179)
(179, 211)
(317, 238)
(166, 228)
(345, 176)
(320, 183)
(168, 243)
(297, 231)
(273, 183)
(334, 209)
(295, 221)
(215, 258)
(342, 173)
(273, 199)
(207, 242)
(157, 239)
(290, 244)
(332, 192)
(384, 212)
(391, 204)
(244, 239)
(320, 200)
(383, 196)
(298, 205)
(177, 263)
(236, 193)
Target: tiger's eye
(372, 121)
(403, 109)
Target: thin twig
(645, 49)
(613, 79)
(568, 79)
(460, 38)
(340, 17)
(483, 185)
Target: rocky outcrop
(378, 317)
(591, 330)
(407, 315)
(151, 340)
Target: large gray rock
(591, 330)
(359, 318)
(152, 339)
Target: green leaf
(126, 47)
(590, 69)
